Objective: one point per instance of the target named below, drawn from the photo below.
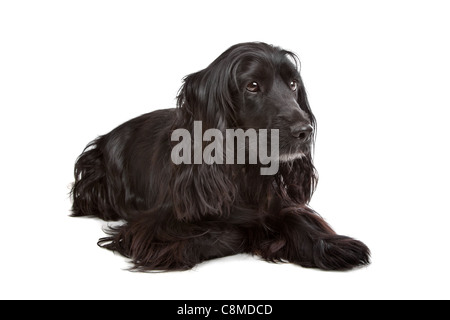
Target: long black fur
(177, 216)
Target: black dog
(178, 215)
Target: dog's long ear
(299, 176)
(302, 98)
(206, 96)
(201, 190)
(305, 173)
(297, 179)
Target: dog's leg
(153, 244)
(303, 237)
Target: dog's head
(253, 85)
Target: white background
(377, 74)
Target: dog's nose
(301, 131)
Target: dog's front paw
(340, 253)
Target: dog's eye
(253, 87)
(293, 85)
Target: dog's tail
(89, 191)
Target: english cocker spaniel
(190, 186)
